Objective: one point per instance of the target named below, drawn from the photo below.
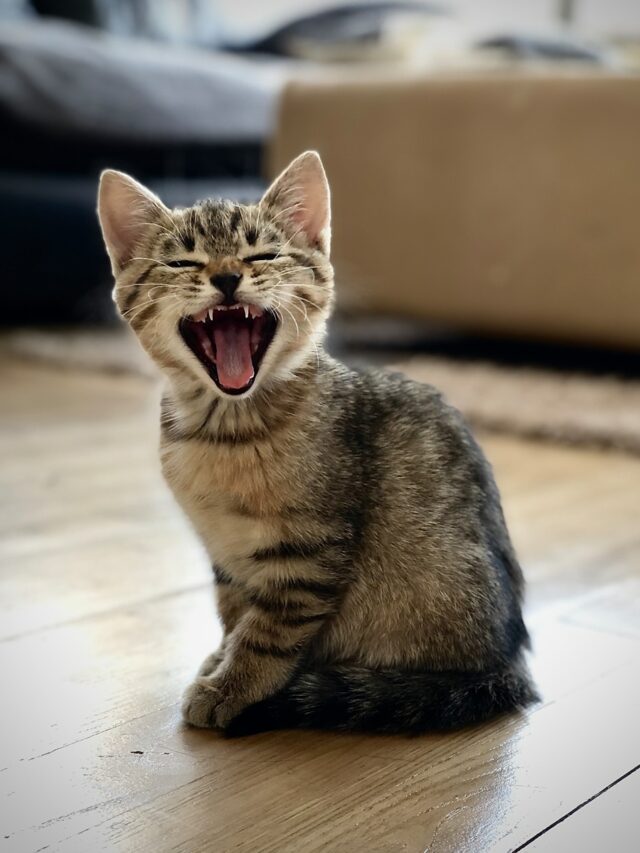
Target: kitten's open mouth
(230, 342)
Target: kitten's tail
(358, 699)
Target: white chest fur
(225, 494)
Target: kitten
(364, 573)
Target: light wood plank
(86, 522)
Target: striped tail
(388, 701)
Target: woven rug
(571, 408)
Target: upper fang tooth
(211, 313)
(246, 312)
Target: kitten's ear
(300, 195)
(125, 209)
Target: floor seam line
(576, 809)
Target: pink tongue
(233, 353)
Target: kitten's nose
(227, 282)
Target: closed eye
(186, 262)
(265, 256)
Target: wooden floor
(107, 609)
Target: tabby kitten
(364, 572)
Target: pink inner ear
(312, 215)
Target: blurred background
(482, 156)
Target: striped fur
(364, 572)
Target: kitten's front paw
(206, 705)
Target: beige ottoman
(502, 204)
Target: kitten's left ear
(300, 195)
(126, 210)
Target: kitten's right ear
(125, 209)
(301, 195)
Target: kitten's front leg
(262, 651)
(231, 599)
(232, 605)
